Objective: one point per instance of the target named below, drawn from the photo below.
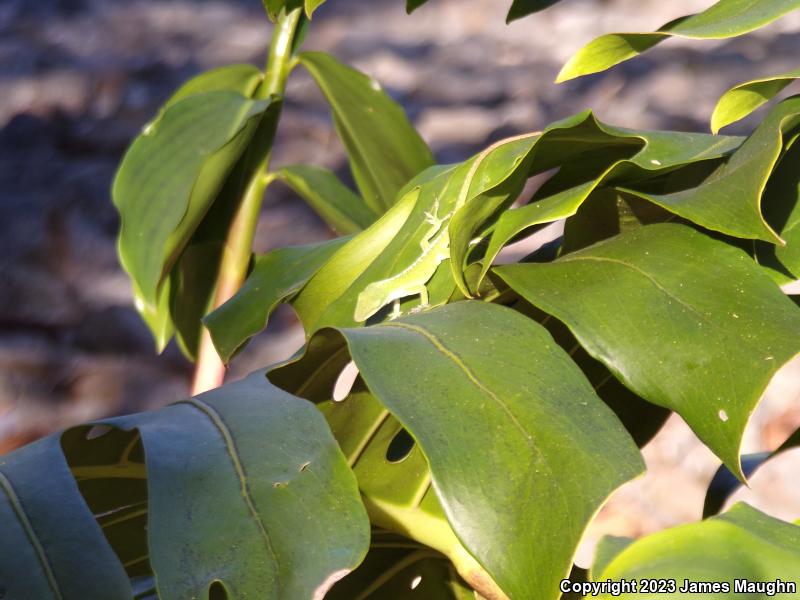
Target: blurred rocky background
(79, 78)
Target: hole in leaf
(217, 591)
(344, 383)
(97, 431)
(416, 581)
(400, 447)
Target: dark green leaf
(642, 419)
(52, 547)
(742, 544)
(243, 79)
(391, 260)
(782, 210)
(385, 150)
(275, 278)
(171, 174)
(729, 200)
(192, 285)
(519, 8)
(340, 208)
(498, 376)
(726, 18)
(412, 5)
(686, 322)
(393, 570)
(608, 548)
(247, 488)
(741, 100)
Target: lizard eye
(344, 383)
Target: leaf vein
(16, 505)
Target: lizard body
(411, 280)
(435, 248)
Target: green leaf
(274, 7)
(519, 8)
(592, 154)
(608, 548)
(247, 488)
(523, 8)
(312, 5)
(52, 546)
(741, 100)
(108, 466)
(742, 178)
(393, 570)
(725, 19)
(243, 79)
(412, 5)
(782, 211)
(170, 176)
(742, 544)
(393, 245)
(722, 327)
(385, 150)
(275, 278)
(607, 213)
(498, 376)
(193, 284)
(340, 208)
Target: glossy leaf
(496, 375)
(608, 548)
(523, 8)
(392, 246)
(340, 208)
(642, 419)
(722, 327)
(741, 100)
(648, 155)
(391, 470)
(193, 283)
(782, 210)
(247, 488)
(275, 278)
(729, 200)
(384, 149)
(243, 79)
(52, 546)
(725, 19)
(165, 184)
(742, 544)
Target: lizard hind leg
(424, 299)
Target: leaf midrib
(19, 510)
(233, 453)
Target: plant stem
(209, 369)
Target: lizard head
(367, 305)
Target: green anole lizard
(435, 246)
(412, 280)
